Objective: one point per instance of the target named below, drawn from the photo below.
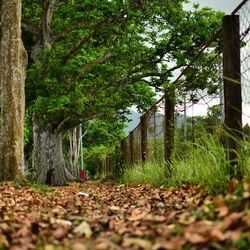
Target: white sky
(226, 6)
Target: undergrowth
(202, 163)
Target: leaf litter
(123, 217)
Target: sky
(226, 6)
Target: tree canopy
(102, 56)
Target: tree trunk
(13, 62)
(48, 155)
(74, 151)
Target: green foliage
(93, 158)
(105, 131)
(150, 173)
(105, 55)
(202, 163)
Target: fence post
(232, 87)
(131, 147)
(169, 123)
(124, 151)
(144, 142)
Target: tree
(96, 58)
(13, 60)
(99, 139)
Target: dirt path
(106, 216)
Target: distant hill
(135, 119)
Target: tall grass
(151, 173)
(205, 164)
(202, 163)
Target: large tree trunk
(48, 155)
(13, 63)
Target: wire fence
(200, 89)
(244, 15)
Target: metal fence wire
(199, 87)
(155, 131)
(244, 17)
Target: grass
(39, 188)
(202, 163)
(151, 173)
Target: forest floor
(104, 215)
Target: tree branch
(48, 11)
(30, 27)
(82, 41)
(132, 79)
(87, 67)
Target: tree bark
(48, 157)
(13, 62)
(74, 151)
(48, 160)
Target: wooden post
(144, 143)
(169, 123)
(124, 152)
(131, 147)
(232, 87)
(155, 154)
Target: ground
(104, 215)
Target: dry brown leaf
(24, 231)
(79, 246)
(103, 245)
(143, 244)
(246, 218)
(154, 218)
(246, 194)
(83, 229)
(219, 201)
(3, 241)
(217, 235)
(222, 211)
(231, 220)
(174, 243)
(137, 214)
(114, 208)
(196, 238)
(60, 232)
(233, 235)
(233, 183)
(246, 185)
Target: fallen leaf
(196, 238)
(219, 201)
(216, 235)
(174, 243)
(232, 220)
(137, 214)
(60, 232)
(222, 211)
(143, 244)
(79, 246)
(114, 208)
(63, 222)
(233, 183)
(246, 185)
(3, 241)
(83, 229)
